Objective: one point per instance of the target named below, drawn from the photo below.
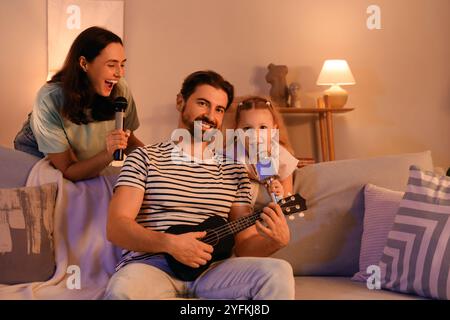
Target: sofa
(325, 242)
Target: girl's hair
(79, 95)
(257, 102)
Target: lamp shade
(335, 72)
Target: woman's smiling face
(106, 69)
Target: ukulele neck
(244, 222)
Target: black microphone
(119, 104)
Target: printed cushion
(416, 258)
(26, 234)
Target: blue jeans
(233, 278)
(25, 140)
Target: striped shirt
(178, 190)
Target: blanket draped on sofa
(79, 238)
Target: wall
(401, 99)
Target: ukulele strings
(231, 227)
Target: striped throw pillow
(416, 257)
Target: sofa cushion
(14, 168)
(328, 240)
(416, 258)
(381, 206)
(26, 233)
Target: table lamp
(335, 73)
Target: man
(154, 191)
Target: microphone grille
(120, 104)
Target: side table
(326, 126)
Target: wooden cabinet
(325, 124)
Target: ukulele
(220, 234)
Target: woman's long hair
(79, 95)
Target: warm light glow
(50, 74)
(335, 72)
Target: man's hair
(206, 77)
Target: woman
(72, 121)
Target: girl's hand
(275, 226)
(275, 186)
(117, 139)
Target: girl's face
(106, 69)
(262, 122)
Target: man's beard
(190, 125)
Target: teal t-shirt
(55, 134)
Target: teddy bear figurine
(276, 76)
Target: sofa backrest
(327, 240)
(14, 167)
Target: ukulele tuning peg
(288, 209)
(291, 218)
(297, 206)
(289, 194)
(292, 198)
(283, 201)
(301, 214)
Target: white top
(281, 167)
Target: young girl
(259, 114)
(72, 121)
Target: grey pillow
(26, 234)
(14, 167)
(328, 240)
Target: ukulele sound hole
(213, 237)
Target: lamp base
(335, 97)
